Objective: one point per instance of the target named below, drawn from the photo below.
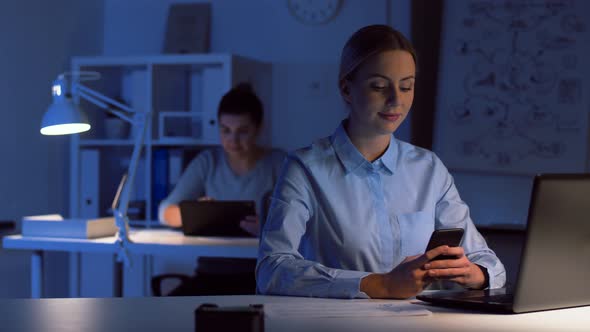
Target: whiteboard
(512, 90)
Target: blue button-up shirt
(336, 217)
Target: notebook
(555, 262)
(54, 225)
(215, 218)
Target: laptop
(115, 203)
(117, 197)
(215, 218)
(555, 262)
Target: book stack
(54, 225)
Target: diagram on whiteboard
(512, 86)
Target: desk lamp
(64, 117)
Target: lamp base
(123, 239)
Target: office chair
(7, 227)
(156, 281)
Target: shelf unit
(193, 84)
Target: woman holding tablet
(239, 170)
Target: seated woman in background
(351, 215)
(238, 170)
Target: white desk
(145, 242)
(176, 314)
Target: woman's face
(381, 92)
(238, 134)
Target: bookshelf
(182, 93)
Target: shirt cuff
(348, 285)
(495, 278)
(161, 208)
(486, 275)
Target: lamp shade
(63, 118)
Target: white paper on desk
(343, 309)
(45, 217)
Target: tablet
(215, 218)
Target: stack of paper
(351, 308)
(54, 225)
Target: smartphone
(449, 236)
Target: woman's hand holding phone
(405, 280)
(452, 264)
(444, 259)
(460, 269)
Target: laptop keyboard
(490, 296)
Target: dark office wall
(426, 29)
(37, 39)
(306, 104)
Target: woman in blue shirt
(351, 215)
(238, 170)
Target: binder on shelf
(159, 179)
(54, 225)
(89, 183)
(174, 167)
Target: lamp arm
(120, 212)
(139, 124)
(138, 121)
(102, 101)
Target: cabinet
(182, 93)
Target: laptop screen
(115, 203)
(555, 266)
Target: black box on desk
(210, 317)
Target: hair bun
(244, 87)
(241, 99)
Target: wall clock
(314, 12)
